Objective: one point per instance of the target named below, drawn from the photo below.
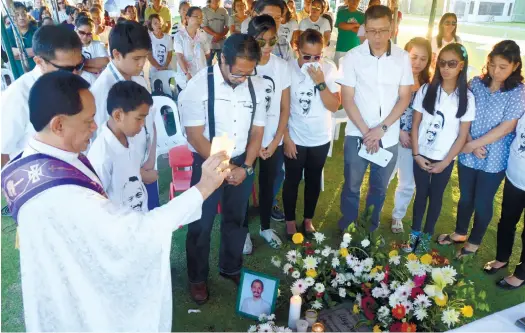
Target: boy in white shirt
(114, 154)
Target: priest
(86, 264)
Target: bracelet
(415, 155)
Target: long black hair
(259, 25)
(510, 51)
(429, 102)
(441, 32)
(424, 76)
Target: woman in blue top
(500, 102)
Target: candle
(311, 316)
(318, 327)
(295, 311)
(302, 325)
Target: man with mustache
(255, 305)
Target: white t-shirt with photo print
(287, 29)
(438, 132)
(516, 165)
(310, 123)
(118, 168)
(275, 77)
(95, 49)
(322, 25)
(160, 48)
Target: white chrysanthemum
(420, 313)
(326, 252)
(291, 256)
(449, 274)
(381, 292)
(319, 237)
(394, 285)
(319, 287)
(394, 300)
(422, 301)
(271, 317)
(413, 267)
(299, 287)
(276, 261)
(409, 284)
(383, 312)
(450, 317)
(286, 268)
(287, 330)
(358, 270)
(408, 305)
(342, 292)
(310, 263)
(317, 251)
(368, 262)
(365, 243)
(395, 260)
(263, 317)
(252, 328)
(334, 283)
(296, 274)
(344, 245)
(403, 292)
(347, 238)
(309, 281)
(317, 305)
(266, 327)
(379, 277)
(335, 262)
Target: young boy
(114, 154)
(129, 46)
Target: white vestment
(89, 265)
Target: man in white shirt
(215, 23)
(86, 264)
(256, 305)
(375, 83)
(55, 47)
(233, 107)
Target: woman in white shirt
(289, 28)
(62, 15)
(316, 22)
(161, 45)
(446, 35)
(314, 97)
(239, 15)
(440, 127)
(191, 48)
(94, 52)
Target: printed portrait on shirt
(436, 126)
(406, 120)
(161, 53)
(134, 194)
(519, 146)
(284, 32)
(305, 94)
(86, 54)
(269, 90)
(317, 27)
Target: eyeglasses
(60, 3)
(71, 69)
(83, 33)
(451, 63)
(316, 8)
(240, 76)
(381, 32)
(199, 17)
(448, 23)
(309, 57)
(262, 42)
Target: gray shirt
(216, 20)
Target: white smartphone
(381, 158)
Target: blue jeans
(279, 175)
(153, 195)
(354, 171)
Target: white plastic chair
(163, 77)
(165, 141)
(7, 78)
(338, 118)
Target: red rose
(399, 312)
(309, 252)
(395, 327)
(308, 244)
(367, 304)
(408, 327)
(319, 295)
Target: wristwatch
(248, 169)
(321, 86)
(384, 128)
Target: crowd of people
(265, 85)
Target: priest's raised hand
(214, 171)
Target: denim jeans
(354, 171)
(267, 176)
(279, 176)
(153, 195)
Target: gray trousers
(355, 168)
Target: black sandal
(507, 286)
(306, 233)
(464, 253)
(448, 239)
(493, 270)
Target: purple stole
(24, 178)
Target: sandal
(465, 253)
(308, 232)
(288, 235)
(446, 238)
(397, 226)
(489, 269)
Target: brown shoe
(199, 292)
(236, 278)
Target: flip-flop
(464, 253)
(448, 239)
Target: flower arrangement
(267, 324)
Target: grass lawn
(219, 313)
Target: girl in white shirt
(161, 45)
(191, 48)
(94, 52)
(317, 22)
(289, 28)
(440, 127)
(314, 97)
(446, 35)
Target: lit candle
(318, 327)
(310, 316)
(295, 311)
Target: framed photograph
(257, 294)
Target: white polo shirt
(438, 132)
(310, 123)
(275, 77)
(95, 49)
(16, 126)
(376, 82)
(194, 51)
(516, 165)
(233, 108)
(100, 90)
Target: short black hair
(257, 281)
(121, 19)
(129, 36)
(310, 36)
(241, 46)
(19, 5)
(128, 96)
(50, 38)
(53, 94)
(70, 10)
(259, 25)
(84, 20)
(261, 4)
(377, 12)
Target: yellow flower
(311, 273)
(393, 253)
(441, 301)
(298, 238)
(467, 311)
(375, 270)
(356, 309)
(368, 284)
(377, 329)
(344, 252)
(412, 257)
(426, 259)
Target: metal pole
(9, 50)
(395, 9)
(10, 12)
(55, 9)
(431, 19)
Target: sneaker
(423, 245)
(271, 237)
(412, 242)
(248, 246)
(277, 214)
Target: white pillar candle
(295, 311)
